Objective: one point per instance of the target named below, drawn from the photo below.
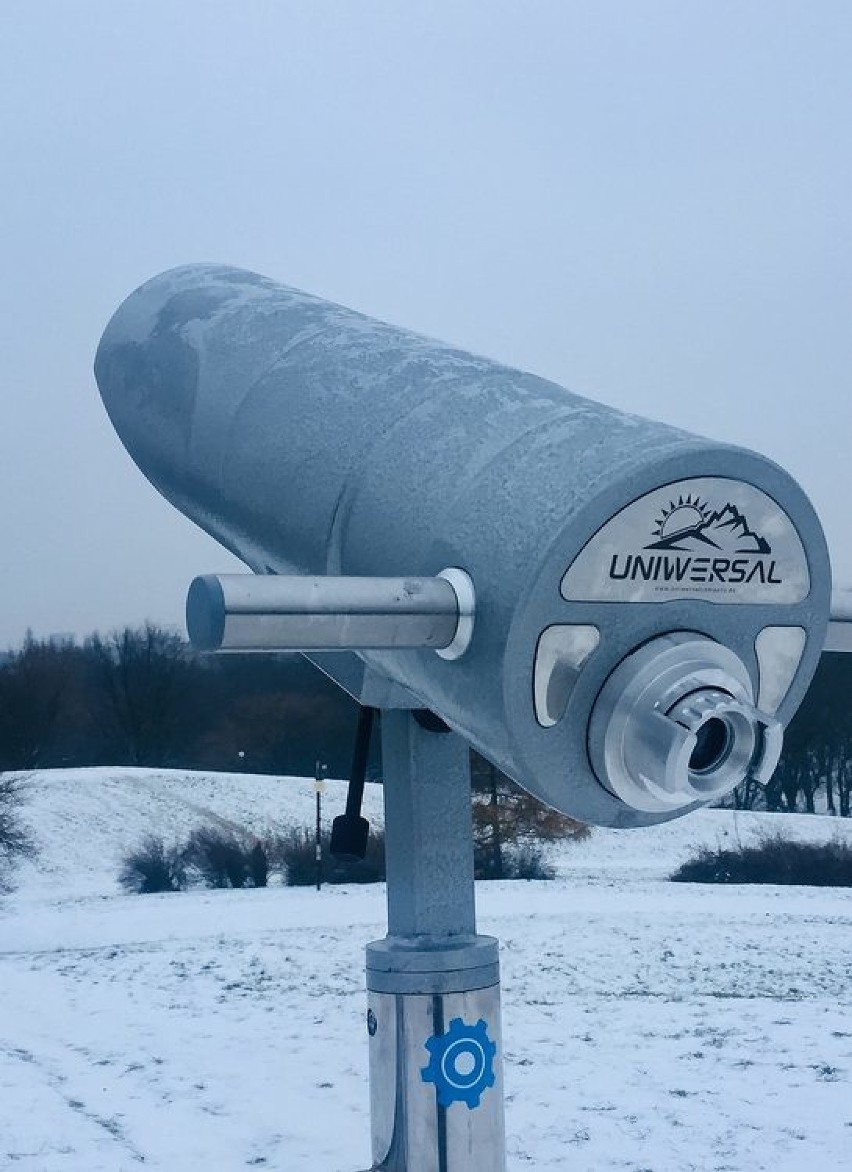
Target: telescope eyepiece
(676, 724)
(713, 741)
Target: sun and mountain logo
(709, 538)
(691, 524)
(697, 548)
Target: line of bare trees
(142, 697)
(815, 773)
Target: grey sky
(648, 202)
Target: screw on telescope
(350, 831)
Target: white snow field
(648, 1026)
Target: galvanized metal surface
(411, 964)
(560, 654)
(411, 1131)
(779, 653)
(310, 439)
(839, 637)
(428, 830)
(432, 977)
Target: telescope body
(647, 601)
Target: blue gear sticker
(461, 1063)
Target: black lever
(350, 831)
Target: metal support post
(436, 1086)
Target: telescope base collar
(416, 966)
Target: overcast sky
(648, 202)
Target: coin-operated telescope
(618, 614)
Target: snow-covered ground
(648, 1026)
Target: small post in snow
(319, 787)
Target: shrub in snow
(153, 867)
(523, 860)
(295, 853)
(295, 856)
(527, 861)
(215, 857)
(221, 859)
(774, 860)
(258, 863)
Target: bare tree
(143, 676)
(507, 818)
(817, 749)
(33, 684)
(15, 841)
(279, 732)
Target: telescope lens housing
(675, 724)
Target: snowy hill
(85, 821)
(648, 1025)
